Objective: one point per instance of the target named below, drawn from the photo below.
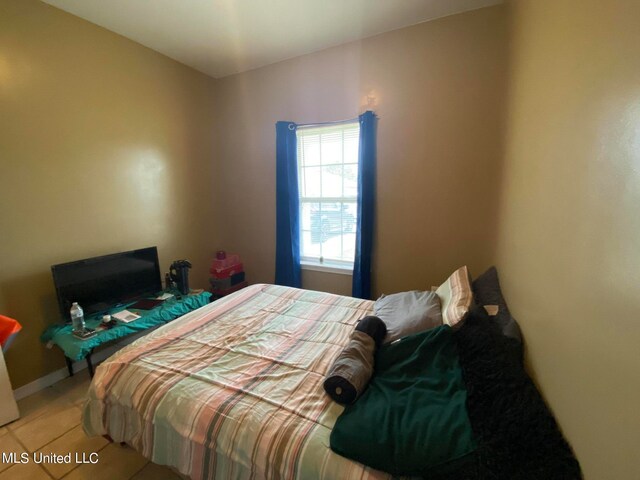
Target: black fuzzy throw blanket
(518, 438)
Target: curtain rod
(293, 126)
(311, 125)
(337, 122)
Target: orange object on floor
(8, 328)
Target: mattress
(233, 389)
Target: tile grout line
(46, 471)
(9, 432)
(12, 428)
(77, 465)
(63, 406)
(64, 433)
(54, 439)
(143, 466)
(40, 448)
(45, 412)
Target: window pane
(349, 215)
(334, 226)
(301, 183)
(331, 148)
(309, 248)
(350, 181)
(331, 230)
(324, 222)
(351, 141)
(332, 181)
(310, 149)
(332, 248)
(312, 181)
(328, 170)
(305, 217)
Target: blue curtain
(287, 207)
(361, 287)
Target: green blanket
(412, 419)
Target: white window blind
(328, 186)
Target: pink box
(231, 260)
(227, 272)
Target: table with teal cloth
(75, 349)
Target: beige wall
(104, 146)
(569, 223)
(327, 282)
(439, 88)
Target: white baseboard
(40, 384)
(57, 375)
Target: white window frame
(320, 264)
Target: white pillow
(406, 313)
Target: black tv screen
(100, 283)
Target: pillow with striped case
(456, 297)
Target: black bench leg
(89, 364)
(69, 365)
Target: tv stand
(75, 349)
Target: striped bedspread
(233, 389)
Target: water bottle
(77, 317)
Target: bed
(233, 389)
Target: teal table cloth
(77, 349)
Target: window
(328, 186)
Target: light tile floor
(50, 423)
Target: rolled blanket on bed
(352, 370)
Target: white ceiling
(223, 37)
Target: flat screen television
(100, 283)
